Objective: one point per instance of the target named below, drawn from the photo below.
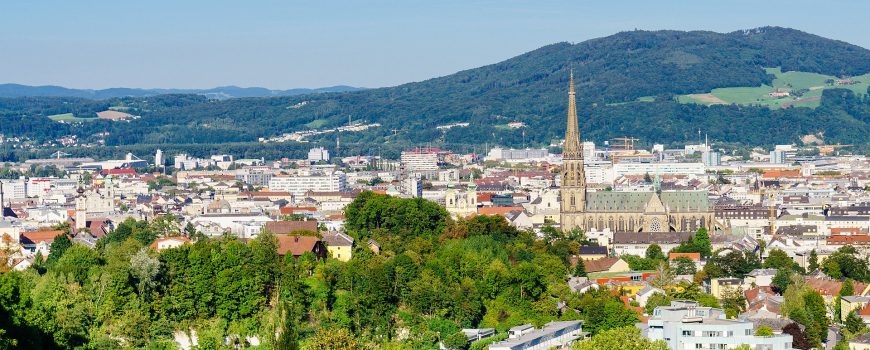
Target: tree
(654, 251)
(580, 269)
(656, 300)
(144, 268)
(733, 302)
(331, 339)
(764, 331)
(778, 259)
(701, 241)
(59, 246)
(846, 289)
(625, 338)
(817, 320)
(456, 341)
(683, 266)
(781, 280)
(855, 324)
(799, 338)
(813, 263)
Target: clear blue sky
(371, 43)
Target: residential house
(290, 227)
(339, 245)
(606, 265)
(587, 253)
(557, 334)
(164, 243)
(39, 241)
(298, 245)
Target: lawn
(315, 124)
(119, 108)
(784, 81)
(69, 117)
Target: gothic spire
(572, 148)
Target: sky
(373, 43)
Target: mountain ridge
(613, 74)
(13, 90)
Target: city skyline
(282, 45)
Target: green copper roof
(635, 202)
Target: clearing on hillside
(69, 118)
(789, 89)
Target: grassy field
(119, 108)
(811, 84)
(315, 124)
(69, 117)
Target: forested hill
(222, 92)
(626, 84)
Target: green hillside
(627, 83)
(804, 88)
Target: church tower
(81, 209)
(573, 185)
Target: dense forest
(123, 295)
(612, 72)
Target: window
(747, 332)
(687, 333)
(698, 346)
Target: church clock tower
(573, 183)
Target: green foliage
(580, 269)
(778, 259)
(58, 247)
(781, 280)
(764, 331)
(637, 263)
(625, 338)
(733, 302)
(656, 300)
(799, 338)
(813, 263)
(654, 251)
(456, 341)
(847, 262)
(683, 266)
(484, 343)
(734, 263)
(699, 243)
(855, 324)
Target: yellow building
(719, 286)
(339, 245)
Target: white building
(13, 189)
(318, 154)
(621, 169)
(686, 325)
(554, 335)
(158, 158)
(299, 185)
(420, 160)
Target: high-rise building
(712, 158)
(158, 158)
(299, 185)
(420, 160)
(777, 157)
(318, 154)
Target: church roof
(635, 202)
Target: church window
(610, 224)
(572, 199)
(621, 224)
(655, 226)
(600, 223)
(703, 222)
(631, 224)
(590, 224)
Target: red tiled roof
(484, 197)
(599, 265)
(287, 227)
(693, 256)
(497, 210)
(843, 240)
(773, 174)
(119, 172)
(39, 236)
(293, 210)
(296, 245)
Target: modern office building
(420, 160)
(318, 154)
(686, 325)
(299, 185)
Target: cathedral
(655, 211)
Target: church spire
(572, 148)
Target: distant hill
(628, 84)
(223, 92)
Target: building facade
(656, 211)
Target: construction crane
(627, 142)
